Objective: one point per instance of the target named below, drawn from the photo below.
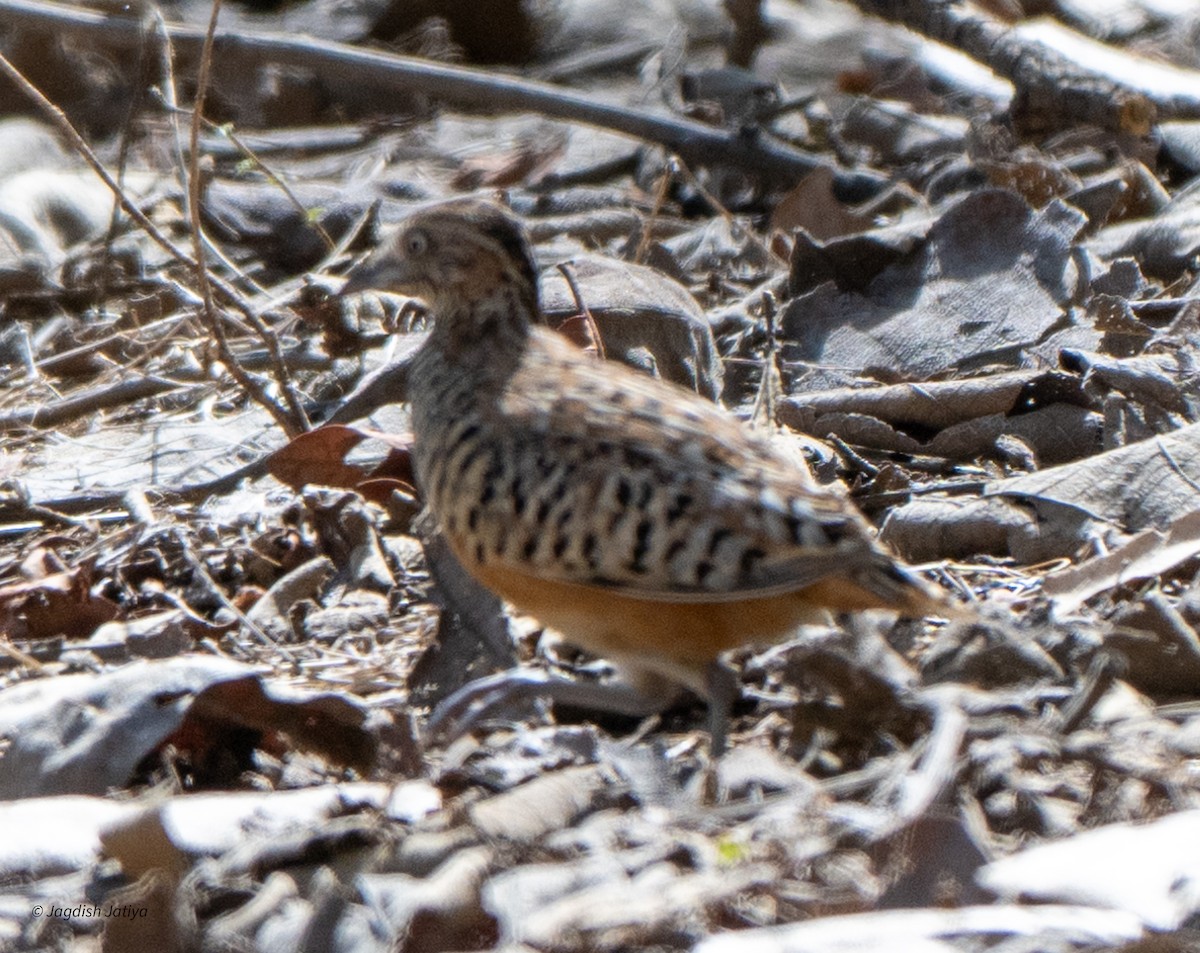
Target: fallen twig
(72, 408)
(293, 419)
(292, 424)
(392, 75)
(1061, 77)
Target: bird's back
(586, 473)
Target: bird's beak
(380, 271)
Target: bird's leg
(723, 688)
(463, 710)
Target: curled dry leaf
(60, 604)
(1056, 511)
(158, 635)
(1149, 872)
(86, 734)
(811, 205)
(957, 419)
(549, 803)
(318, 458)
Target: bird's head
(453, 256)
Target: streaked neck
(490, 327)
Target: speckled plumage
(641, 521)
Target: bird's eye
(415, 242)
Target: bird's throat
(493, 328)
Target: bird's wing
(670, 498)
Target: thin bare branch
(292, 420)
(342, 65)
(1061, 77)
(58, 119)
(568, 273)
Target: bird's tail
(882, 583)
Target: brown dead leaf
(397, 465)
(317, 458)
(59, 604)
(86, 733)
(958, 419)
(1151, 553)
(442, 906)
(811, 205)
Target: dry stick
(50, 365)
(48, 515)
(726, 214)
(60, 122)
(276, 181)
(660, 198)
(339, 65)
(1103, 670)
(169, 100)
(568, 273)
(193, 189)
(938, 766)
(68, 409)
(294, 420)
(90, 501)
(770, 383)
(1049, 86)
(72, 408)
(227, 132)
(853, 457)
(23, 658)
